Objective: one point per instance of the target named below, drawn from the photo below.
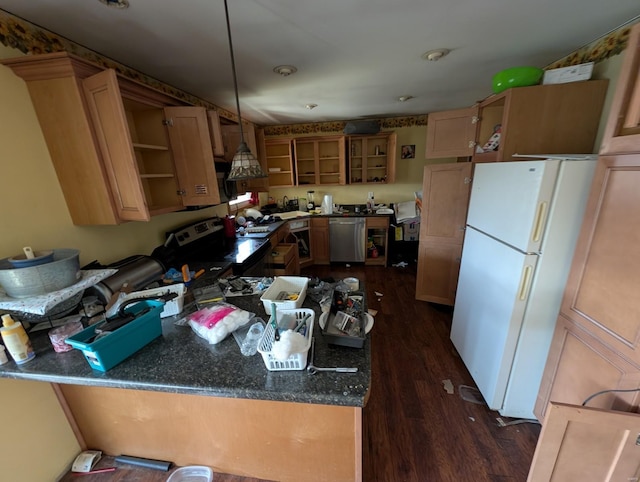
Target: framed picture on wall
(408, 151)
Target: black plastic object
(362, 127)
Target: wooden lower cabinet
(378, 236)
(437, 278)
(583, 366)
(264, 439)
(445, 192)
(320, 240)
(596, 345)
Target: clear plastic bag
(215, 322)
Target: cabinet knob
(168, 122)
(472, 144)
(475, 119)
(467, 180)
(181, 192)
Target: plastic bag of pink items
(215, 322)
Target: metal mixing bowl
(63, 271)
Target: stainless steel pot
(136, 271)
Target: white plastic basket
(285, 284)
(296, 361)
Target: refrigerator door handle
(538, 224)
(525, 282)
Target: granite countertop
(181, 362)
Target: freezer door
(493, 289)
(511, 201)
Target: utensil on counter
(312, 369)
(274, 321)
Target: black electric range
(203, 245)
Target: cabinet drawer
(282, 254)
(382, 222)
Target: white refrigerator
(522, 226)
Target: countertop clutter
(181, 362)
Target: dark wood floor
(414, 431)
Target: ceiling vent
(362, 127)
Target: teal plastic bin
(106, 352)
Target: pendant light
(244, 164)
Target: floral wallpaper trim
(32, 40)
(598, 50)
(338, 126)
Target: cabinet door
(215, 133)
(578, 443)
(622, 133)
(438, 270)
(580, 365)
(597, 338)
(452, 133)
(106, 110)
(445, 193)
(320, 240)
(193, 155)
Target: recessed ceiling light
(311, 106)
(116, 3)
(404, 98)
(436, 54)
(285, 70)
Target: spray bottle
(16, 340)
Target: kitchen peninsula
(183, 400)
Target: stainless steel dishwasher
(347, 239)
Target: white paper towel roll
(327, 204)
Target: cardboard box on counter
(411, 231)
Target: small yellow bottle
(16, 340)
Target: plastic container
(3, 356)
(296, 361)
(106, 352)
(249, 345)
(192, 473)
(285, 284)
(16, 340)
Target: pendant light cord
(233, 70)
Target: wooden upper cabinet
(320, 160)
(622, 133)
(279, 161)
(452, 133)
(372, 159)
(541, 119)
(109, 142)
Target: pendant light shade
(244, 164)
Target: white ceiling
(354, 57)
